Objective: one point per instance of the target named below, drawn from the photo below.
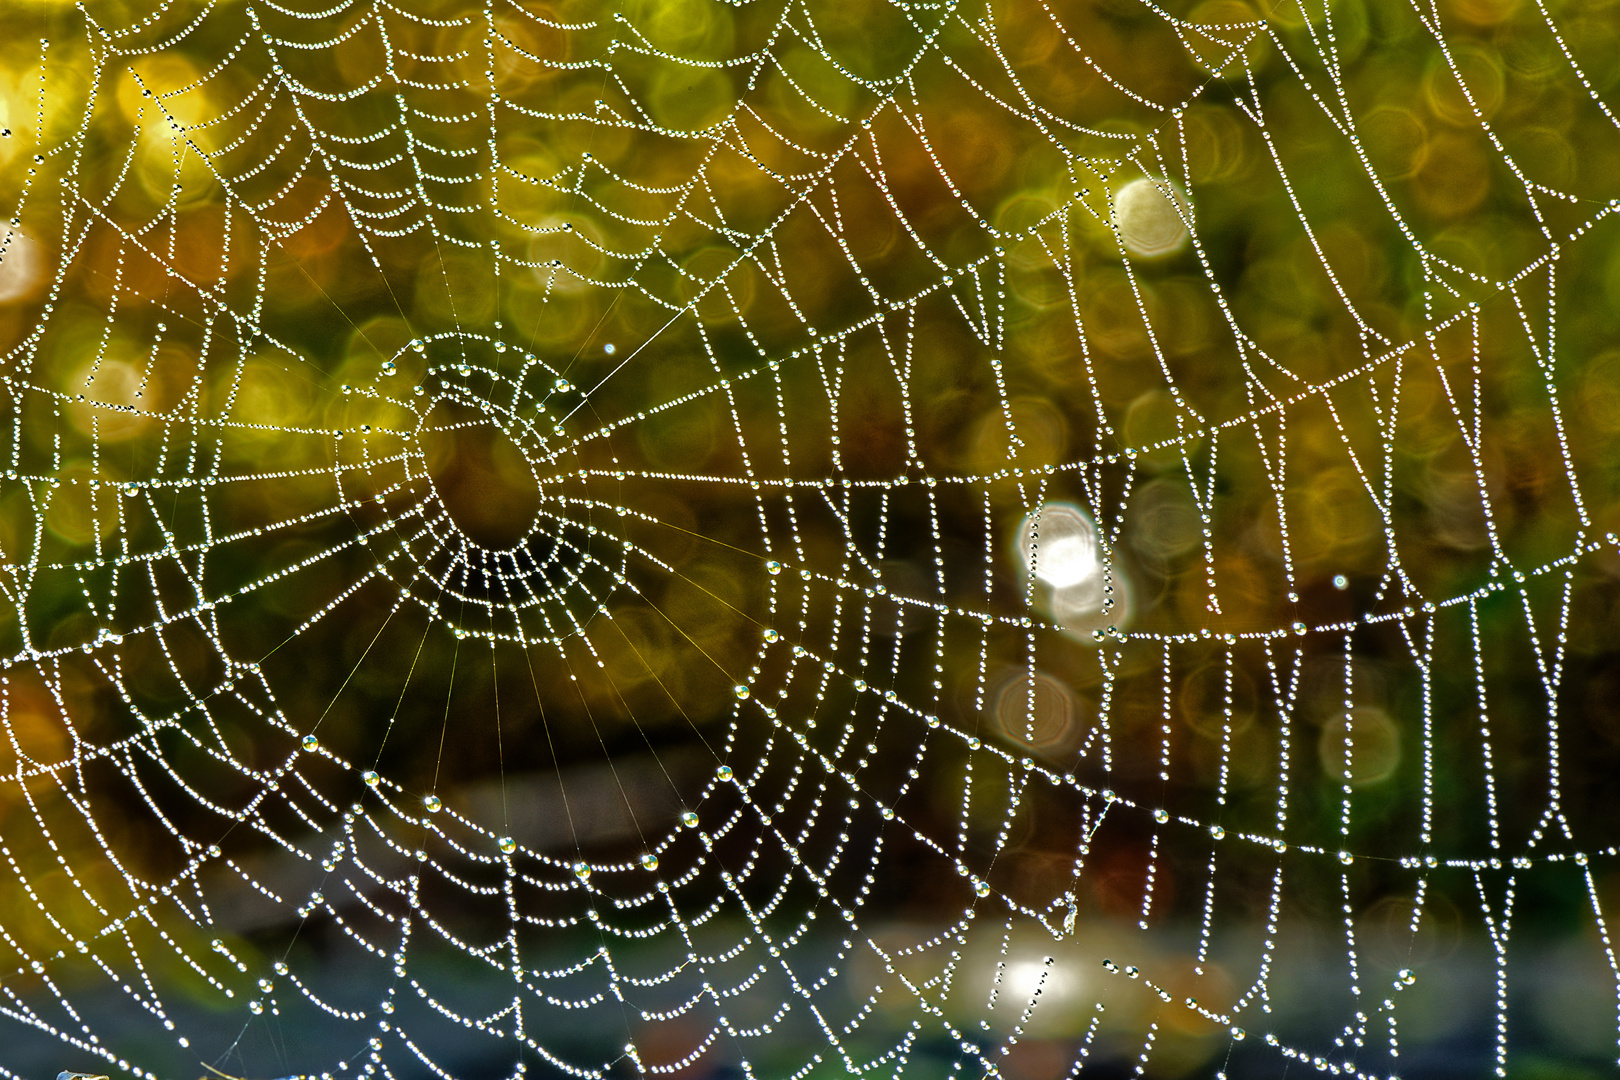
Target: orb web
(806, 540)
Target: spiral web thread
(816, 330)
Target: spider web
(804, 539)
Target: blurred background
(829, 538)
